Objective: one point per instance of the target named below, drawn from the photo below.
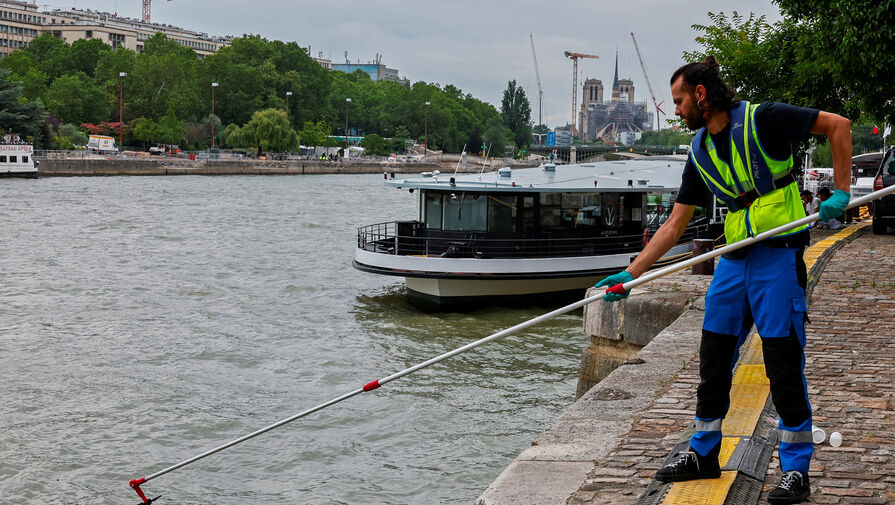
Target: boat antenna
(618, 289)
(462, 154)
(487, 152)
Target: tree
(170, 130)
(73, 134)
(495, 136)
(314, 133)
(374, 145)
(23, 117)
(855, 42)
(838, 57)
(516, 113)
(77, 98)
(145, 130)
(269, 131)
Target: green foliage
(77, 98)
(314, 133)
(81, 84)
(73, 134)
(374, 145)
(667, 137)
(231, 136)
(838, 57)
(854, 42)
(170, 130)
(146, 131)
(496, 137)
(26, 118)
(516, 113)
(269, 131)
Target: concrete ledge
(555, 467)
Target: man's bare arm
(666, 236)
(838, 130)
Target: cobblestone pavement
(850, 369)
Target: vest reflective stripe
(713, 425)
(749, 168)
(795, 437)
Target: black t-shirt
(779, 126)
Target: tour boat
(526, 234)
(17, 158)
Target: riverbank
(81, 167)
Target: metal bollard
(702, 246)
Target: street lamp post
(347, 101)
(121, 76)
(426, 132)
(288, 94)
(213, 86)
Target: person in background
(811, 202)
(742, 155)
(833, 223)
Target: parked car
(884, 208)
(170, 149)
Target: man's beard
(694, 119)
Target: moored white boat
(17, 158)
(527, 233)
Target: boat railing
(409, 238)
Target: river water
(144, 320)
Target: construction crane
(538, 75)
(575, 57)
(147, 11)
(649, 86)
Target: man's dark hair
(824, 191)
(719, 94)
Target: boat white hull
(448, 282)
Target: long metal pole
(136, 483)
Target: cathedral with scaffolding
(613, 119)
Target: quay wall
(635, 349)
(147, 167)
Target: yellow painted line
(728, 444)
(748, 394)
(746, 404)
(700, 492)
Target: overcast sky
(475, 45)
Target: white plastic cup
(835, 439)
(818, 435)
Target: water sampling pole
(618, 289)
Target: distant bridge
(587, 153)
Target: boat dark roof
(647, 174)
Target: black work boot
(689, 465)
(793, 488)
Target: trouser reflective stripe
(707, 436)
(794, 437)
(796, 446)
(713, 425)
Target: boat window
(2, 159)
(551, 209)
(465, 212)
(13, 159)
(433, 210)
(658, 208)
(24, 159)
(502, 213)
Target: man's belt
(746, 199)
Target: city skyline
(478, 49)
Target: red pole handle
(618, 289)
